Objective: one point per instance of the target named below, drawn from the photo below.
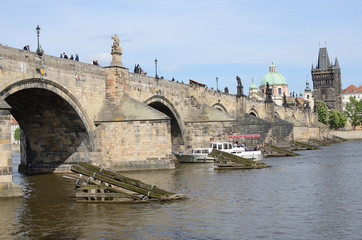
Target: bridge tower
(327, 82)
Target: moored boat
(198, 155)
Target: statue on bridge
(268, 94)
(240, 88)
(116, 52)
(115, 46)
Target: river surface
(314, 196)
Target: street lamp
(156, 69)
(37, 33)
(217, 84)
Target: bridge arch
(163, 105)
(54, 124)
(253, 112)
(220, 107)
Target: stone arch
(163, 105)
(276, 115)
(56, 129)
(253, 112)
(220, 107)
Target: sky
(196, 39)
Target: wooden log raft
(226, 160)
(319, 142)
(279, 152)
(303, 146)
(97, 184)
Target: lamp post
(37, 33)
(156, 68)
(217, 84)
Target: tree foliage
(332, 118)
(336, 119)
(354, 111)
(322, 112)
(17, 134)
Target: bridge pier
(7, 187)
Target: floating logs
(226, 160)
(296, 145)
(274, 151)
(319, 142)
(95, 184)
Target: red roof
(352, 89)
(14, 122)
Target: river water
(314, 196)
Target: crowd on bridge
(65, 56)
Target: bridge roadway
(71, 111)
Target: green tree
(17, 134)
(354, 111)
(322, 112)
(336, 119)
(342, 120)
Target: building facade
(327, 83)
(351, 91)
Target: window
(280, 91)
(219, 146)
(307, 96)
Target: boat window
(226, 146)
(205, 151)
(214, 145)
(197, 151)
(230, 146)
(219, 146)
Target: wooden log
(230, 160)
(124, 179)
(96, 175)
(305, 145)
(99, 184)
(281, 150)
(340, 139)
(319, 142)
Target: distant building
(277, 83)
(327, 83)
(308, 95)
(351, 91)
(14, 126)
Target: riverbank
(349, 135)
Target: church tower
(327, 84)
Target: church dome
(273, 77)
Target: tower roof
(323, 59)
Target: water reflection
(313, 196)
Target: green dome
(253, 86)
(273, 77)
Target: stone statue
(268, 94)
(240, 88)
(115, 46)
(116, 52)
(285, 104)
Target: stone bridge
(71, 111)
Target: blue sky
(196, 39)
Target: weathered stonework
(111, 117)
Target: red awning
(245, 136)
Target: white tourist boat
(241, 151)
(198, 155)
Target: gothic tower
(327, 84)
